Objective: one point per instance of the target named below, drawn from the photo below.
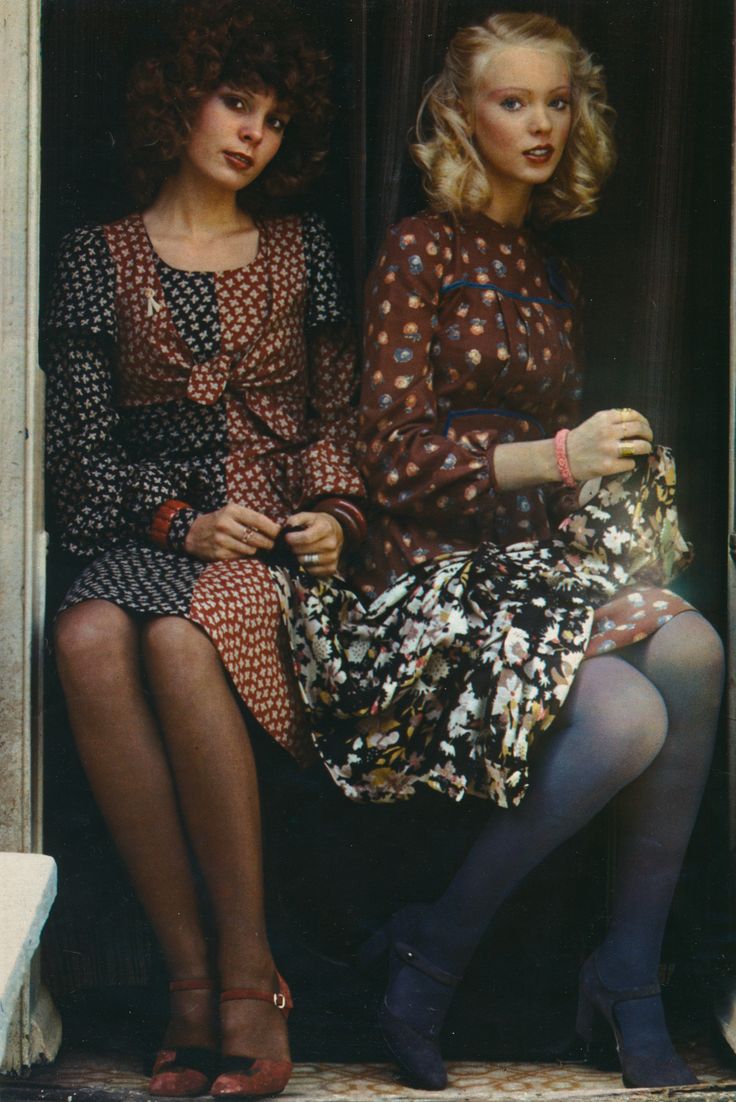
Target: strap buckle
(279, 1000)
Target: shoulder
(84, 245)
(427, 231)
(84, 283)
(415, 254)
(326, 300)
(307, 233)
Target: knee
(640, 726)
(174, 640)
(92, 635)
(690, 657)
(621, 714)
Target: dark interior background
(655, 275)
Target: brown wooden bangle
(161, 523)
(349, 516)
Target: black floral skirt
(447, 677)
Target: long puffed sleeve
(411, 467)
(100, 496)
(328, 464)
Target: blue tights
(638, 725)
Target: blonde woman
(494, 645)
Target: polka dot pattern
(471, 334)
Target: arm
(100, 495)
(412, 468)
(329, 468)
(409, 465)
(330, 511)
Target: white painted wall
(22, 540)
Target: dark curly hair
(247, 44)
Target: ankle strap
(644, 992)
(191, 985)
(414, 959)
(633, 993)
(280, 999)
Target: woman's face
(235, 135)
(522, 117)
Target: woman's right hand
(230, 533)
(607, 443)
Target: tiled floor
(74, 1078)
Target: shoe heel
(585, 1020)
(373, 951)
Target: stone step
(27, 890)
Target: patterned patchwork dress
(205, 388)
(474, 606)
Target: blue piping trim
(503, 291)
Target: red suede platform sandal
(188, 1070)
(246, 1077)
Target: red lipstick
(240, 161)
(539, 154)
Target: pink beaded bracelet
(563, 463)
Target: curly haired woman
(498, 651)
(200, 379)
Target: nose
(251, 127)
(540, 121)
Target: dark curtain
(654, 264)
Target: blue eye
(511, 103)
(560, 103)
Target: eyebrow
(518, 88)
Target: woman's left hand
(316, 541)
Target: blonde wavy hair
(453, 172)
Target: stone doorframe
(35, 1029)
(22, 536)
(731, 685)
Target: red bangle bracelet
(563, 462)
(162, 519)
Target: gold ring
(625, 450)
(247, 533)
(625, 412)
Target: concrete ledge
(27, 890)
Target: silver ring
(310, 559)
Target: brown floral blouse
(470, 334)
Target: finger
(300, 520)
(234, 544)
(253, 519)
(248, 536)
(322, 571)
(306, 539)
(310, 559)
(630, 448)
(625, 413)
(628, 429)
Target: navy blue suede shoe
(414, 1005)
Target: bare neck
(510, 206)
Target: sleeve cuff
(169, 527)
(491, 455)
